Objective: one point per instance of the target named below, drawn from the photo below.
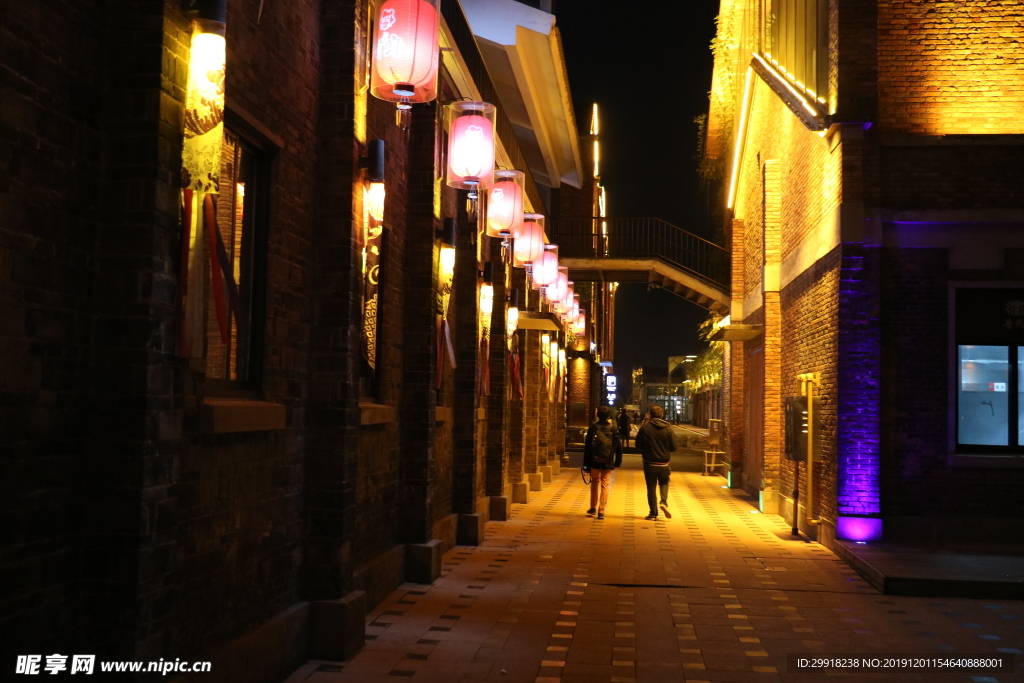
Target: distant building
(869, 155)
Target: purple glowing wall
(859, 397)
(859, 528)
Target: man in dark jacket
(624, 426)
(654, 439)
(602, 453)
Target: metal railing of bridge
(641, 238)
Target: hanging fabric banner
(514, 368)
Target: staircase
(644, 250)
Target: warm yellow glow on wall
(594, 125)
(741, 130)
(597, 159)
(789, 85)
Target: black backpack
(602, 450)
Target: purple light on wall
(859, 529)
(859, 409)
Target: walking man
(654, 439)
(624, 426)
(602, 453)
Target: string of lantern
(404, 64)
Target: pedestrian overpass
(644, 250)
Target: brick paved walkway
(717, 593)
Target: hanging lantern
(565, 303)
(505, 204)
(571, 309)
(579, 328)
(405, 49)
(528, 242)
(555, 291)
(470, 145)
(545, 267)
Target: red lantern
(470, 145)
(405, 49)
(565, 303)
(505, 204)
(555, 291)
(529, 240)
(545, 267)
(579, 328)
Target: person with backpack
(602, 453)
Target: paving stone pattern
(718, 592)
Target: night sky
(648, 66)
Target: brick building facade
(155, 510)
(868, 154)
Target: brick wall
(234, 559)
(950, 68)
(497, 403)
(469, 434)
(936, 176)
(334, 345)
(49, 197)
(811, 338)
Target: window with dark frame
(989, 328)
(234, 325)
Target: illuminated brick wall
(951, 67)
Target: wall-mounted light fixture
(373, 162)
(405, 52)
(512, 316)
(204, 97)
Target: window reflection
(983, 395)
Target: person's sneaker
(592, 511)
(652, 518)
(600, 515)
(664, 508)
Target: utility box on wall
(797, 428)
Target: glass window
(983, 395)
(795, 39)
(234, 301)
